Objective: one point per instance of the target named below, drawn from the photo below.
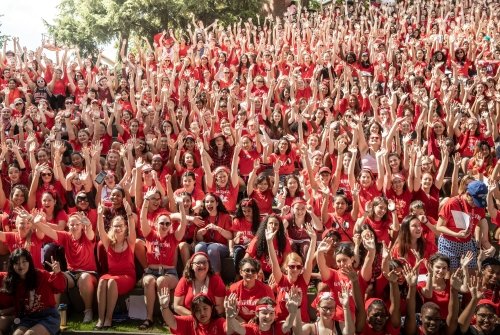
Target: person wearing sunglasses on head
(249, 289)
(161, 244)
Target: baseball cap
(478, 191)
(325, 169)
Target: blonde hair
(111, 232)
(292, 257)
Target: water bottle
(63, 308)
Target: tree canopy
(90, 23)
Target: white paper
(462, 220)
(137, 307)
(422, 278)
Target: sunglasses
(165, 223)
(250, 271)
(80, 199)
(69, 102)
(46, 174)
(19, 103)
(295, 267)
(200, 263)
(147, 172)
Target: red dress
(121, 268)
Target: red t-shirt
(187, 325)
(13, 241)
(228, 195)
(458, 206)
(389, 330)
(282, 296)
(216, 288)
(244, 226)
(367, 194)
(248, 297)
(441, 298)
(430, 200)
(402, 202)
(47, 284)
(264, 200)
(245, 164)
(6, 300)
(265, 261)
(381, 229)
(222, 220)
(79, 253)
(287, 162)
(334, 283)
(161, 251)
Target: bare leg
(86, 285)
(149, 283)
(140, 253)
(37, 330)
(185, 250)
(111, 298)
(102, 293)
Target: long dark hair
(220, 206)
(404, 237)
(12, 279)
(204, 299)
(261, 236)
(247, 202)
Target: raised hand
(150, 193)
(466, 259)
(56, 268)
(456, 279)
(391, 276)
(231, 305)
(164, 296)
(310, 231)
(475, 287)
(410, 275)
(294, 299)
(325, 245)
(344, 294)
(270, 233)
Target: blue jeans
(215, 251)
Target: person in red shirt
(79, 244)
(203, 321)
(297, 273)
(245, 225)
(457, 222)
(161, 246)
(410, 240)
(33, 290)
(258, 247)
(249, 289)
(198, 278)
(259, 187)
(213, 236)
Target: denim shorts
(163, 272)
(49, 318)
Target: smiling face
(431, 320)
(200, 266)
(14, 174)
(343, 261)
(440, 268)
(48, 201)
(326, 308)
(210, 204)
(486, 320)
(21, 267)
(377, 317)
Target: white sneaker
(87, 316)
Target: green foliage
(2, 37)
(90, 23)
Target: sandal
(146, 324)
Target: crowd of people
(351, 152)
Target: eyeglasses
(165, 223)
(223, 106)
(147, 172)
(295, 267)
(250, 271)
(69, 102)
(18, 103)
(46, 174)
(80, 199)
(200, 263)
(487, 316)
(327, 309)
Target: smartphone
(100, 177)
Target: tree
(90, 23)
(2, 37)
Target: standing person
(33, 290)
(457, 222)
(119, 244)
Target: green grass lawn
(129, 326)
